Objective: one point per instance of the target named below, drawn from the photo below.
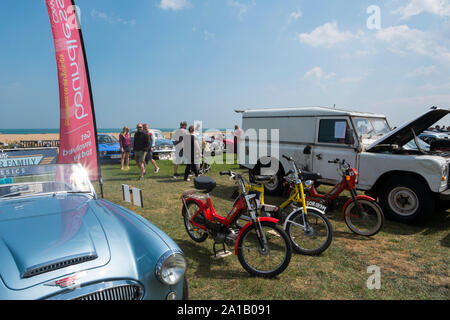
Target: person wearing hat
(178, 137)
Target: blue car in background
(59, 241)
(109, 148)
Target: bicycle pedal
(221, 255)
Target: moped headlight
(170, 267)
(308, 184)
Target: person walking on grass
(193, 150)
(149, 156)
(178, 137)
(125, 148)
(140, 147)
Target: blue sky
(163, 61)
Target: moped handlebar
(288, 158)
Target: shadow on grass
(351, 236)
(224, 192)
(205, 262)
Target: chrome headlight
(170, 267)
(308, 184)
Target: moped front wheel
(366, 221)
(311, 233)
(265, 261)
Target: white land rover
(408, 178)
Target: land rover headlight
(170, 267)
(444, 172)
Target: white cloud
(111, 18)
(318, 74)
(327, 35)
(295, 15)
(416, 7)
(174, 5)
(240, 6)
(422, 71)
(434, 87)
(403, 40)
(355, 79)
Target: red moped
(263, 248)
(361, 213)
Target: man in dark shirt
(140, 147)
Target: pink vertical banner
(78, 132)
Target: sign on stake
(133, 196)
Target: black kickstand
(217, 251)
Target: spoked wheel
(311, 234)
(196, 234)
(269, 261)
(366, 223)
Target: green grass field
(414, 261)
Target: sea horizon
(100, 130)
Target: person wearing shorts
(149, 156)
(140, 147)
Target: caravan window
(333, 131)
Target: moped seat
(204, 183)
(310, 176)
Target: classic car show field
(412, 260)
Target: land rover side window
(334, 131)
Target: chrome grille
(448, 176)
(108, 290)
(126, 292)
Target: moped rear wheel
(311, 234)
(196, 234)
(368, 221)
(269, 261)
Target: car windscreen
(371, 126)
(106, 139)
(43, 179)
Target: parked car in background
(59, 241)
(213, 143)
(108, 147)
(394, 167)
(438, 141)
(163, 148)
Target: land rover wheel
(275, 186)
(407, 199)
